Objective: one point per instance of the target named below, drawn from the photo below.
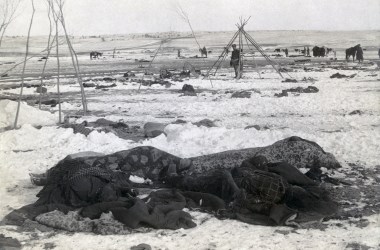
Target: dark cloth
(359, 54)
(215, 182)
(235, 61)
(235, 54)
(163, 210)
(77, 184)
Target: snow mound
(27, 115)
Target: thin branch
(8, 15)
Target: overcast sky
(94, 17)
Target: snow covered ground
(323, 117)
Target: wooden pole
(74, 57)
(184, 15)
(47, 55)
(23, 69)
(58, 70)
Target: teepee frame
(239, 34)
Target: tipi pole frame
(248, 37)
(224, 53)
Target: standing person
(334, 54)
(378, 53)
(235, 56)
(286, 52)
(179, 53)
(308, 51)
(204, 51)
(359, 53)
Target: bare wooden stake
(74, 57)
(23, 69)
(47, 54)
(58, 68)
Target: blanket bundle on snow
(256, 185)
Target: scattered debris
(282, 94)
(164, 74)
(88, 85)
(188, 87)
(51, 102)
(308, 79)
(129, 74)
(105, 86)
(109, 79)
(154, 129)
(302, 60)
(289, 80)
(257, 127)
(309, 89)
(179, 121)
(79, 128)
(338, 75)
(188, 90)
(9, 242)
(141, 246)
(41, 90)
(206, 123)
(356, 112)
(241, 94)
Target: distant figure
(359, 53)
(95, 54)
(304, 51)
(378, 53)
(286, 52)
(328, 50)
(235, 56)
(308, 51)
(203, 51)
(179, 53)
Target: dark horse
(319, 51)
(203, 52)
(352, 52)
(95, 54)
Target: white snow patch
(27, 115)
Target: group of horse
(321, 51)
(355, 51)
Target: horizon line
(215, 31)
